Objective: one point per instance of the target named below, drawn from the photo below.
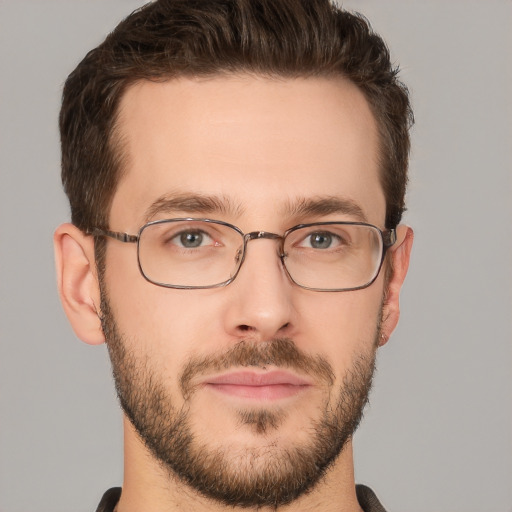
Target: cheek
(167, 325)
(344, 325)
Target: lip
(273, 385)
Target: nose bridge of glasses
(253, 235)
(260, 235)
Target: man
(236, 172)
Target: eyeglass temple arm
(389, 237)
(122, 237)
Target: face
(248, 392)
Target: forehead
(259, 144)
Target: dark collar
(366, 497)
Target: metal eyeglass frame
(388, 239)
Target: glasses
(203, 253)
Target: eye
(321, 240)
(191, 239)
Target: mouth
(268, 386)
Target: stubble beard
(269, 475)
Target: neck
(149, 486)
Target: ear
(399, 255)
(78, 282)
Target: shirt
(365, 496)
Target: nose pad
(238, 255)
(238, 259)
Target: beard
(252, 476)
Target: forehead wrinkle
(185, 203)
(324, 205)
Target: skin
(264, 144)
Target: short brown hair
(188, 38)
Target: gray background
(438, 433)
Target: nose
(260, 305)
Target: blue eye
(192, 239)
(321, 240)
(334, 239)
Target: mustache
(280, 352)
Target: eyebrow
(192, 204)
(329, 205)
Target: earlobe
(77, 282)
(400, 255)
